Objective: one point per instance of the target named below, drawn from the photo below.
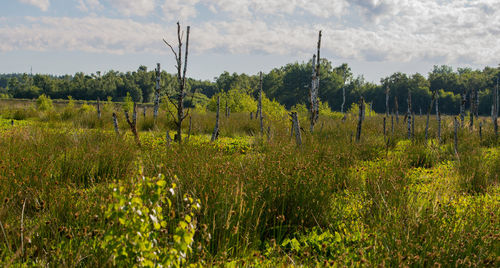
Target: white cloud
(179, 9)
(89, 5)
(133, 7)
(41, 4)
(393, 30)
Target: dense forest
(288, 85)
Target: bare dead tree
(144, 111)
(260, 105)
(314, 90)
(360, 119)
(181, 79)
(157, 92)
(115, 124)
(215, 134)
(296, 128)
(98, 108)
(133, 123)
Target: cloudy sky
(375, 37)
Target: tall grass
(382, 201)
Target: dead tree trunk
(360, 119)
(144, 111)
(428, 115)
(314, 90)
(115, 124)
(215, 134)
(133, 123)
(98, 108)
(260, 106)
(181, 79)
(157, 92)
(296, 128)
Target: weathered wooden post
(144, 111)
(360, 119)
(115, 124)
(215, 134)
(296, 128)
(314, 90)
(133, 123)
(98, 108)
(251, 115)
(157, 92)
(260, 106)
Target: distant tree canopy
(288, 85)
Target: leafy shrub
(139, 231)
(44, 103)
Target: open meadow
(75, 193)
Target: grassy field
(73, 193)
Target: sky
(375, 37)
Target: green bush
(44, 103)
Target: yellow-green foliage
(86, 108)
(140, 216)
(354, 110)
(273, 109)
(44, 103)
(128, 103)
(237, 101)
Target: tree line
(288, 85)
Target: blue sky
(375, 37)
